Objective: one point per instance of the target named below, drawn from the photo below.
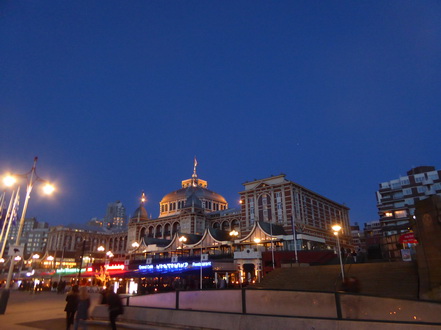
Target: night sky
(117, 97)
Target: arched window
(235, 225)
(142, 233)
(158, 231)
(225, 226)
(167, 232)
(150, 231)
(216, 225)
(176, 227)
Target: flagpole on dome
(195, 175)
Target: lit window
(400, 214)
(388, 214)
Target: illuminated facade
(191, 210)
(282, 202)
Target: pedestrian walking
(115, 307)
(71, 306)
(83, 308)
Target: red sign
(408, 238)
(114, 267)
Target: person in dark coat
(83, 308)
(71, 306)
(115, 307)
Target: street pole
(341, 260)
(294, 234)
(4, 297)
(23, 215)
(81, 261)
(201, 268)
(272, 244)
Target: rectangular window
(398, 195)
(400, 214)
(405, 181)
(419, 178)
(407, 191)
(422, 189)
(409, 201)
(396, 185)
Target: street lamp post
(48, 189)
(182, 239)
(336, 229)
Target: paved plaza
(44, 310)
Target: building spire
(195, 175)
(143, 198)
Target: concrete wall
(243, 309)
(228, 321)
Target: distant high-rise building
(396, 204)
(115, 215)
(95, 222)
(33, 236)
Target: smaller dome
(140, 213)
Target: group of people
(78, 303)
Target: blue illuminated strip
(173, 267)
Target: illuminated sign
(73, 270)
(114, 267)
(172, 267)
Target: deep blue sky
(116, 97)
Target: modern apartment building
(396, 204)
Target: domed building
(190, 209)
(194, 192)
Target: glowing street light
(182, 239)
(336, 229)
(234, 233)
(135, 245)
(9, 180)
(257, 240)
(31, 178)
(109, 254)
(101, 248)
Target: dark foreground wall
(427, 228)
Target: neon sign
(114, 267)
(72, 270)
(172, 267)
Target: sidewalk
(45, 310)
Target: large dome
(200, 192)
(194, 193)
